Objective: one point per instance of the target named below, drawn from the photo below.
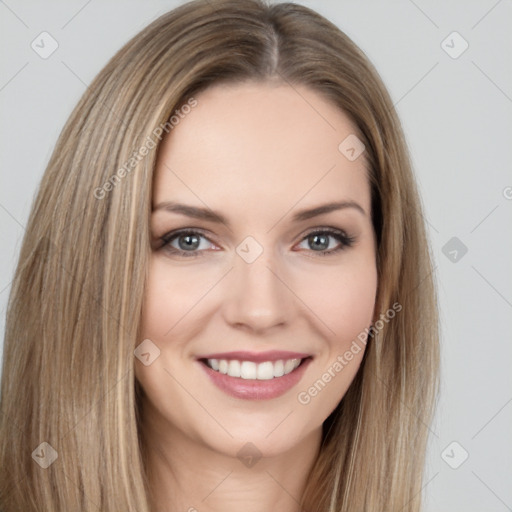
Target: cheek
(342, 297)
(345, 300)
(169, 296)
(172, 292)
(172, 296)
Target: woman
(224, 296)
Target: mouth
(251, 370)
(255, 376)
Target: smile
(266, 370)
(255, 376)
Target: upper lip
(257, 357)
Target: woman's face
(243, 280)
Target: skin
(257, 153)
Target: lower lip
(253, 389)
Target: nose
(258, 299)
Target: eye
(185, 243)
(327, 241)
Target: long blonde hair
(76, 299)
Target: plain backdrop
(455, 104)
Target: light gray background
(457, 118)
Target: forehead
(258, 146)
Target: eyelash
(344, 239)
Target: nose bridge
(258, 298)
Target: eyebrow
(216, 217)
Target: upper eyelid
(181, 231)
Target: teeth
(265, 371)
(223, 366)
(251, 370)
(248, 370)
(289, 366)
(278, 369)
(234, 368)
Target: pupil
(321, 241)
(192, 242)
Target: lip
(256, 357)
(254, 389)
